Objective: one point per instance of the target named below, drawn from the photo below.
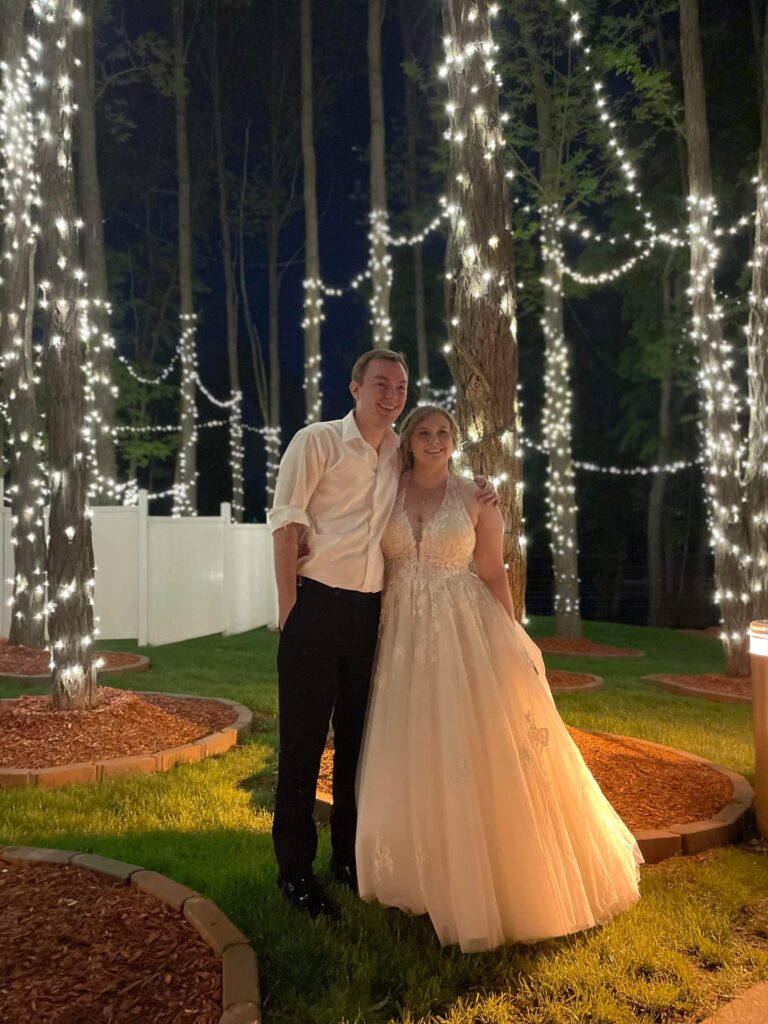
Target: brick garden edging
(682, 690)
(727, 826)
(160, 761)
(595, 683)
(240, 974)
(140, 665)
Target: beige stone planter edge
(240, 975)
(142, 764)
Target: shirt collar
(350, 432)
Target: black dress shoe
(306, 895)
(346, 875)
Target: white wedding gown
(474, 804)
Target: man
(335, 491)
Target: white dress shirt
(335, 484)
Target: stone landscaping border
(727, 826)
(240, 973)
(140, 665)
(683, 690)
(160, 761)
(595, 683)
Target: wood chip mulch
(560, 680)
(79, 948)
(26, 661)
(123, 724)
(559, 645)
(741, 686)
(649, 788)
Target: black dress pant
(324, 663)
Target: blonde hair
(412, 420)
(358, 370)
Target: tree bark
(480, 292)
(70, 550)
(557, 425)
(102, 391)
(756, 475)
(185, 502)
(273, 276)
(719, 395)
(230, 287)
(17, 305)
(412, 191)
(380, 260)
(557, 431)
(313, 296)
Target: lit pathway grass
(699, 934)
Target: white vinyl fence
(161, 580)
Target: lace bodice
(447, 542)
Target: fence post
(142, 529)
(226, 564)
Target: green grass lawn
(699, 934)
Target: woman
(474, 805)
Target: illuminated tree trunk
(70, 551)
(480, 292)
(17, 304)
(380, 260)
(412, 191)
(756, 475)
(313, 296)
(558, 438)
(102, 391)
(718, 393)
(557, 428)
(186, 466)
(230, 286)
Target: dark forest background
(626, 338)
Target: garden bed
(572, 682)
(708, 685)
(672, 801)
(28, 666)
(99, 940)
(127, 731)
(584, 648)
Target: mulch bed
(123, 724)
(26, 661)
(649, 788)
(561, 680)
(79, 948)
(713, 683)
(559, 645)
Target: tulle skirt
(474, 804)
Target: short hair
(413, 419)
(358, 370)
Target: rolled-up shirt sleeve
(300, 470)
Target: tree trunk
(480, 292)
(70, 550)
(719, 395)
(756, 475)
(230, 289)
(313, 296)
(557, 427)
(102, 391)
(658, 553)
(17, 304)
(558, 437)
(273, 256)
(185, 501)
(412, 191)
(380, 260)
